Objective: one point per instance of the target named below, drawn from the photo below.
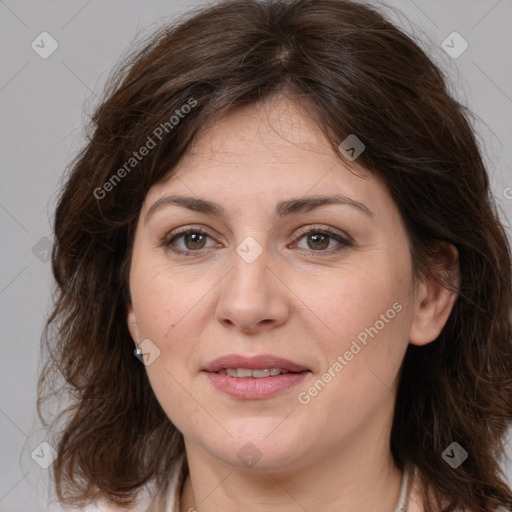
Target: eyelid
(186, 229)
(304, 230)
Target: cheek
(168, 305)
(162, 298)
(356, 299)
(362, 360)
(368, 313)
(164, 309)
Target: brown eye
(318, 240)
(192, 240)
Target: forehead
(267, 150)
(277, 123)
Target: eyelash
(344, 242)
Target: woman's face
(265, 279)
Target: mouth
(257, 377)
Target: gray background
(44, 105)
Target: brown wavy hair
(356, 73)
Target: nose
(252, 297)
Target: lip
(259, 362)
(254, 389)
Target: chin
(258, 444)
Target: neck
(352, 478)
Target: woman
(282, 282)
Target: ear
(132, 324)
(433, 301)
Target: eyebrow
(283, 208)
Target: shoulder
(144, 498)
(141, 505)
(415, 501)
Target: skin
(332, 453)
